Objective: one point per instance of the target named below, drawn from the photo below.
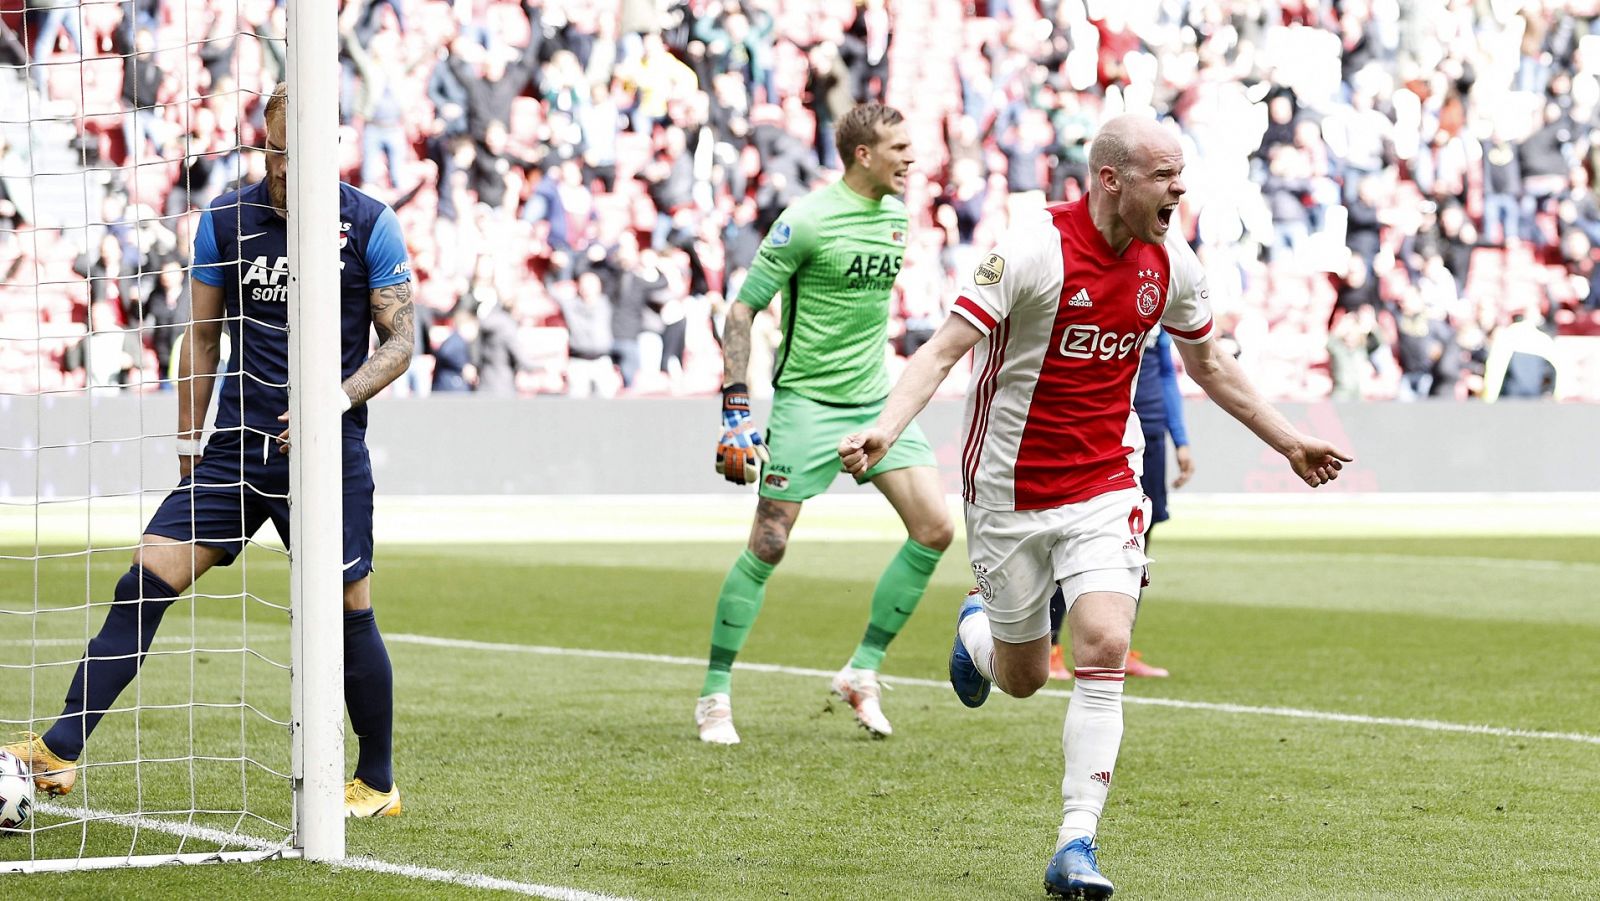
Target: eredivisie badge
(990, 270)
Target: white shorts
(1019, 556)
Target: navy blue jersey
(241, 246)
(1156, 397)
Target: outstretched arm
(1314, 460)
(395, 319)
(924, 374)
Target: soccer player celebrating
(241, 478)
(1061, 308)
(834, 254)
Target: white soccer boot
(714, 716)
(859, 688)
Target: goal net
(119, 121)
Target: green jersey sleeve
(788, 246)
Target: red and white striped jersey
(1050, 416)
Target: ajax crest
(1149, 292)
(981, 573)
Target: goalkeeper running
(834, 254)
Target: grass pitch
(522, 761)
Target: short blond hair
(861, 126)
(278, 103)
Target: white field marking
(1190, 554)
(1291, 712)
(369, 864)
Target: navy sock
(113, 659)
(369, 697)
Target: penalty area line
(1240, 709)
(368, 864)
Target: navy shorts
(1154, 480)
(242, 481)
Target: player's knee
(769, 546)
(1104, 649)
(1025, 682)
(163, 567)
(935, 535)
(358, 595)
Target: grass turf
(582, 771)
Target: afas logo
(266, 279)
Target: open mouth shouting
(1164, 216)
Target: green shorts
(803, 437)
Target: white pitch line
(369, 864)
(1190, 554)
(1291, 712)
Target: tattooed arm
(736, 343)
(395, 319)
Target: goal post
(315, 483)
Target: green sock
(742, 593)
(894, 600)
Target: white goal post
(315, 483)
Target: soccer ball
(16, 791)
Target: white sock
(979, 642)
(1090, 740)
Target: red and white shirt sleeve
(1187, 317)
(1011, 275)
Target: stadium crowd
(1393, 198)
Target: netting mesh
(119, 120)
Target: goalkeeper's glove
(741, 451)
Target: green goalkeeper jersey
(834, 254)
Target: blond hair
(278, 103)
(860, 126)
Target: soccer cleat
(1058, 663)
(51, 774)
(1137, 667)
(970, 685)
(362, 800)
(714, 715)
(859, 688)
(1074, 873)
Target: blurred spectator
(639, 284)
(828, 97)
(1424, 339)
(1522, 359)
(500, 354)
(587, 313)
(380, 108)
(166, 314)
(53, 17)
(108, 282)
(494, 75)
(453, 369)
(1502, 189)
(106, 358)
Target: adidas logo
(1103, 778)
(1081, 299)
(1132, 544)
